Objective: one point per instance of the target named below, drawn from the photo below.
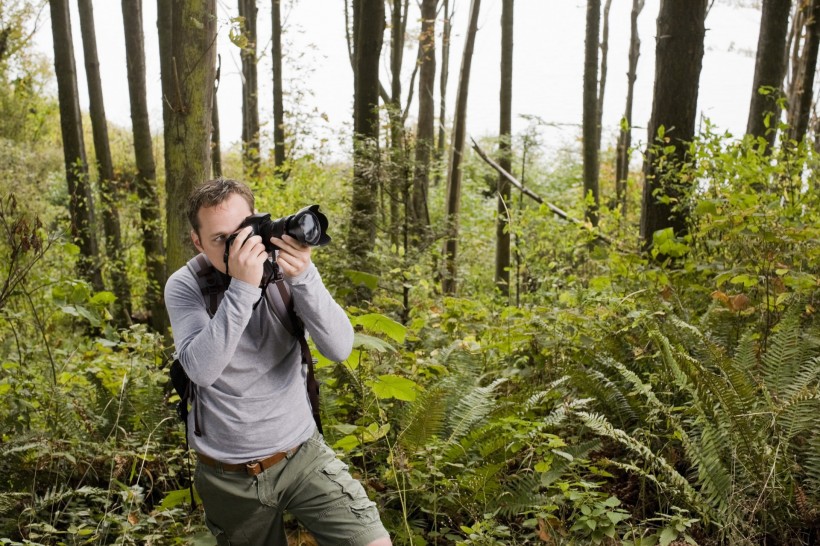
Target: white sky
(548, 66)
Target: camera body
(308, 226)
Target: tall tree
(368, 38)
(604, 47)
(398, 156)
(590, 114)
(81, 203)
(678, 60)
(803, 85)
(420, 216)
(187, 32)
(278, 104)
(502, 235)
(443, 76)
(145, 181)
(625, 135)
(770, 69)
(109, 192)
(250, 89)
(453, 194)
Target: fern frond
(783, 357)
(519, 496)
(560, 413)
(424, 418)
(536, 399)
(473, 406)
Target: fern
(474, 406)
(423, 419)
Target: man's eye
(219, 238)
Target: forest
(614, 344)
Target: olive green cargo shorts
(313, 485)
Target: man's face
(216, 224)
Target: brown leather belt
(251, 468)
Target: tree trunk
(250, 90)
(442, 84)
(604, 68)
(188, 45)
(770, 69)
(398, 161)
(425, 133)
(591, 131)
(216, 133)
(625, 136)
(279, 155)
(105, 170)
(146, 179)
(678, 60)
(803, 88)
(368, 36)
(502, 233)
(81, 203)
(453, 204)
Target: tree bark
(604, 69)
(81, 203)
(678, 60)
(591, 132)
(398, 160)
(279, 156)
(250, 90)
(188, 45)
(502, 233)
(105, 170)
(146, 179)
(770, 69)
(625, 136)
(803, 88)
(425, 133)
(453, 194)
(368, 36)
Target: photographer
(259, 450)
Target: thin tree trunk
(678, 61)
(803, 90)
(398, 161)
(250, 90)
(81, 203)
(146, 179)
(625, 136)
(591, 131)
(770, 69)
(216, 133)
(188, 46)
(425, 133)
(279, 155)
(443, 76)
(105, 169)
(369, 36)
(453, 204)
(604, 67)
(502, 233)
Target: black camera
(308, 226)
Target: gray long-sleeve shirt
(247, 367)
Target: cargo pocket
(365, 511)
(336, 472)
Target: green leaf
(393, 386)
(176, 497)
(361, 278)
(103, 298)
(347, 443)
(366, 342)
(381, 324)
(668, 535)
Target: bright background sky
(548, 66)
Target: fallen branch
(537, 198)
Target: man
(259, 452)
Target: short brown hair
(212, 193)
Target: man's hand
(294, 257)
(247, 257)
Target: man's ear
(196, 241)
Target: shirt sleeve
(205, 345)
(324, 319)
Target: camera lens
(310, 229)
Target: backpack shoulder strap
(211, 283)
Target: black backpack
(213, 283)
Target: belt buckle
(253, 468)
